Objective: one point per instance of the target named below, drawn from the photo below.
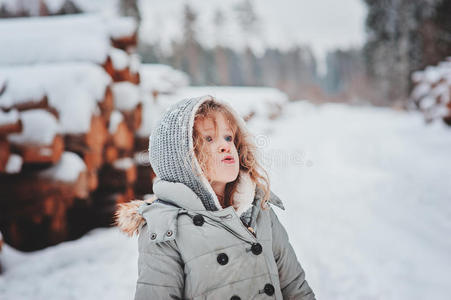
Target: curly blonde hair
(247, 151)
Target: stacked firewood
(432, 92)
(67, 140)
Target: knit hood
(171, 153)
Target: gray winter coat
(187, 251)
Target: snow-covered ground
(368, 212)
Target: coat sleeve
(291, 274)
(160, 269)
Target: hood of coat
(180, 180)
(171, 154)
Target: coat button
(222, 259)
(198, 220)
(256, 248)
(235, 298)
(269, 289)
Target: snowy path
(371, 217)
(368, 212)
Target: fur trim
(244, 194)
(127, 217)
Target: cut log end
(40, 154)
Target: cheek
(235, 151)
(210, 155)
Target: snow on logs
(39, 141)
(432, 91)
(123, 33)
(81, 105)
(67, 139)
(54, 39)
(127, 99)
(9, 123)
(77, 38)
(123, 66)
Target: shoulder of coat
(275, 200)
(161, 220)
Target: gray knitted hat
(171, 150)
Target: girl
(210, 233)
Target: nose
(224, 147)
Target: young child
(210, 233)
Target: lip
(228, 160)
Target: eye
(229, 138)
(208, 138)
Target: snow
(54, 39)
(151, 113)
(126, 95)
(135, 62)
(367, 212)
(141, 158)
(108, 8)
(124, 163)
(54, 5)
(122, 27)
(162, 78)
(39, 127)
(67, 169)
(372, 209)
(74, 89)
(420, 90)
(14, 165)
(76, 112)
(102, 257)
(431, 75)
(366, 192)
(15, 93)
(79, 37)
(115, 118)
(432, 90)
(119, 58)
(10, 117)
(260, 100)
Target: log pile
(116, 183)
(36, 202)
(431, 93)
(144, 178)
(67, 146)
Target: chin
(231, 178)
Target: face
(222, 155)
